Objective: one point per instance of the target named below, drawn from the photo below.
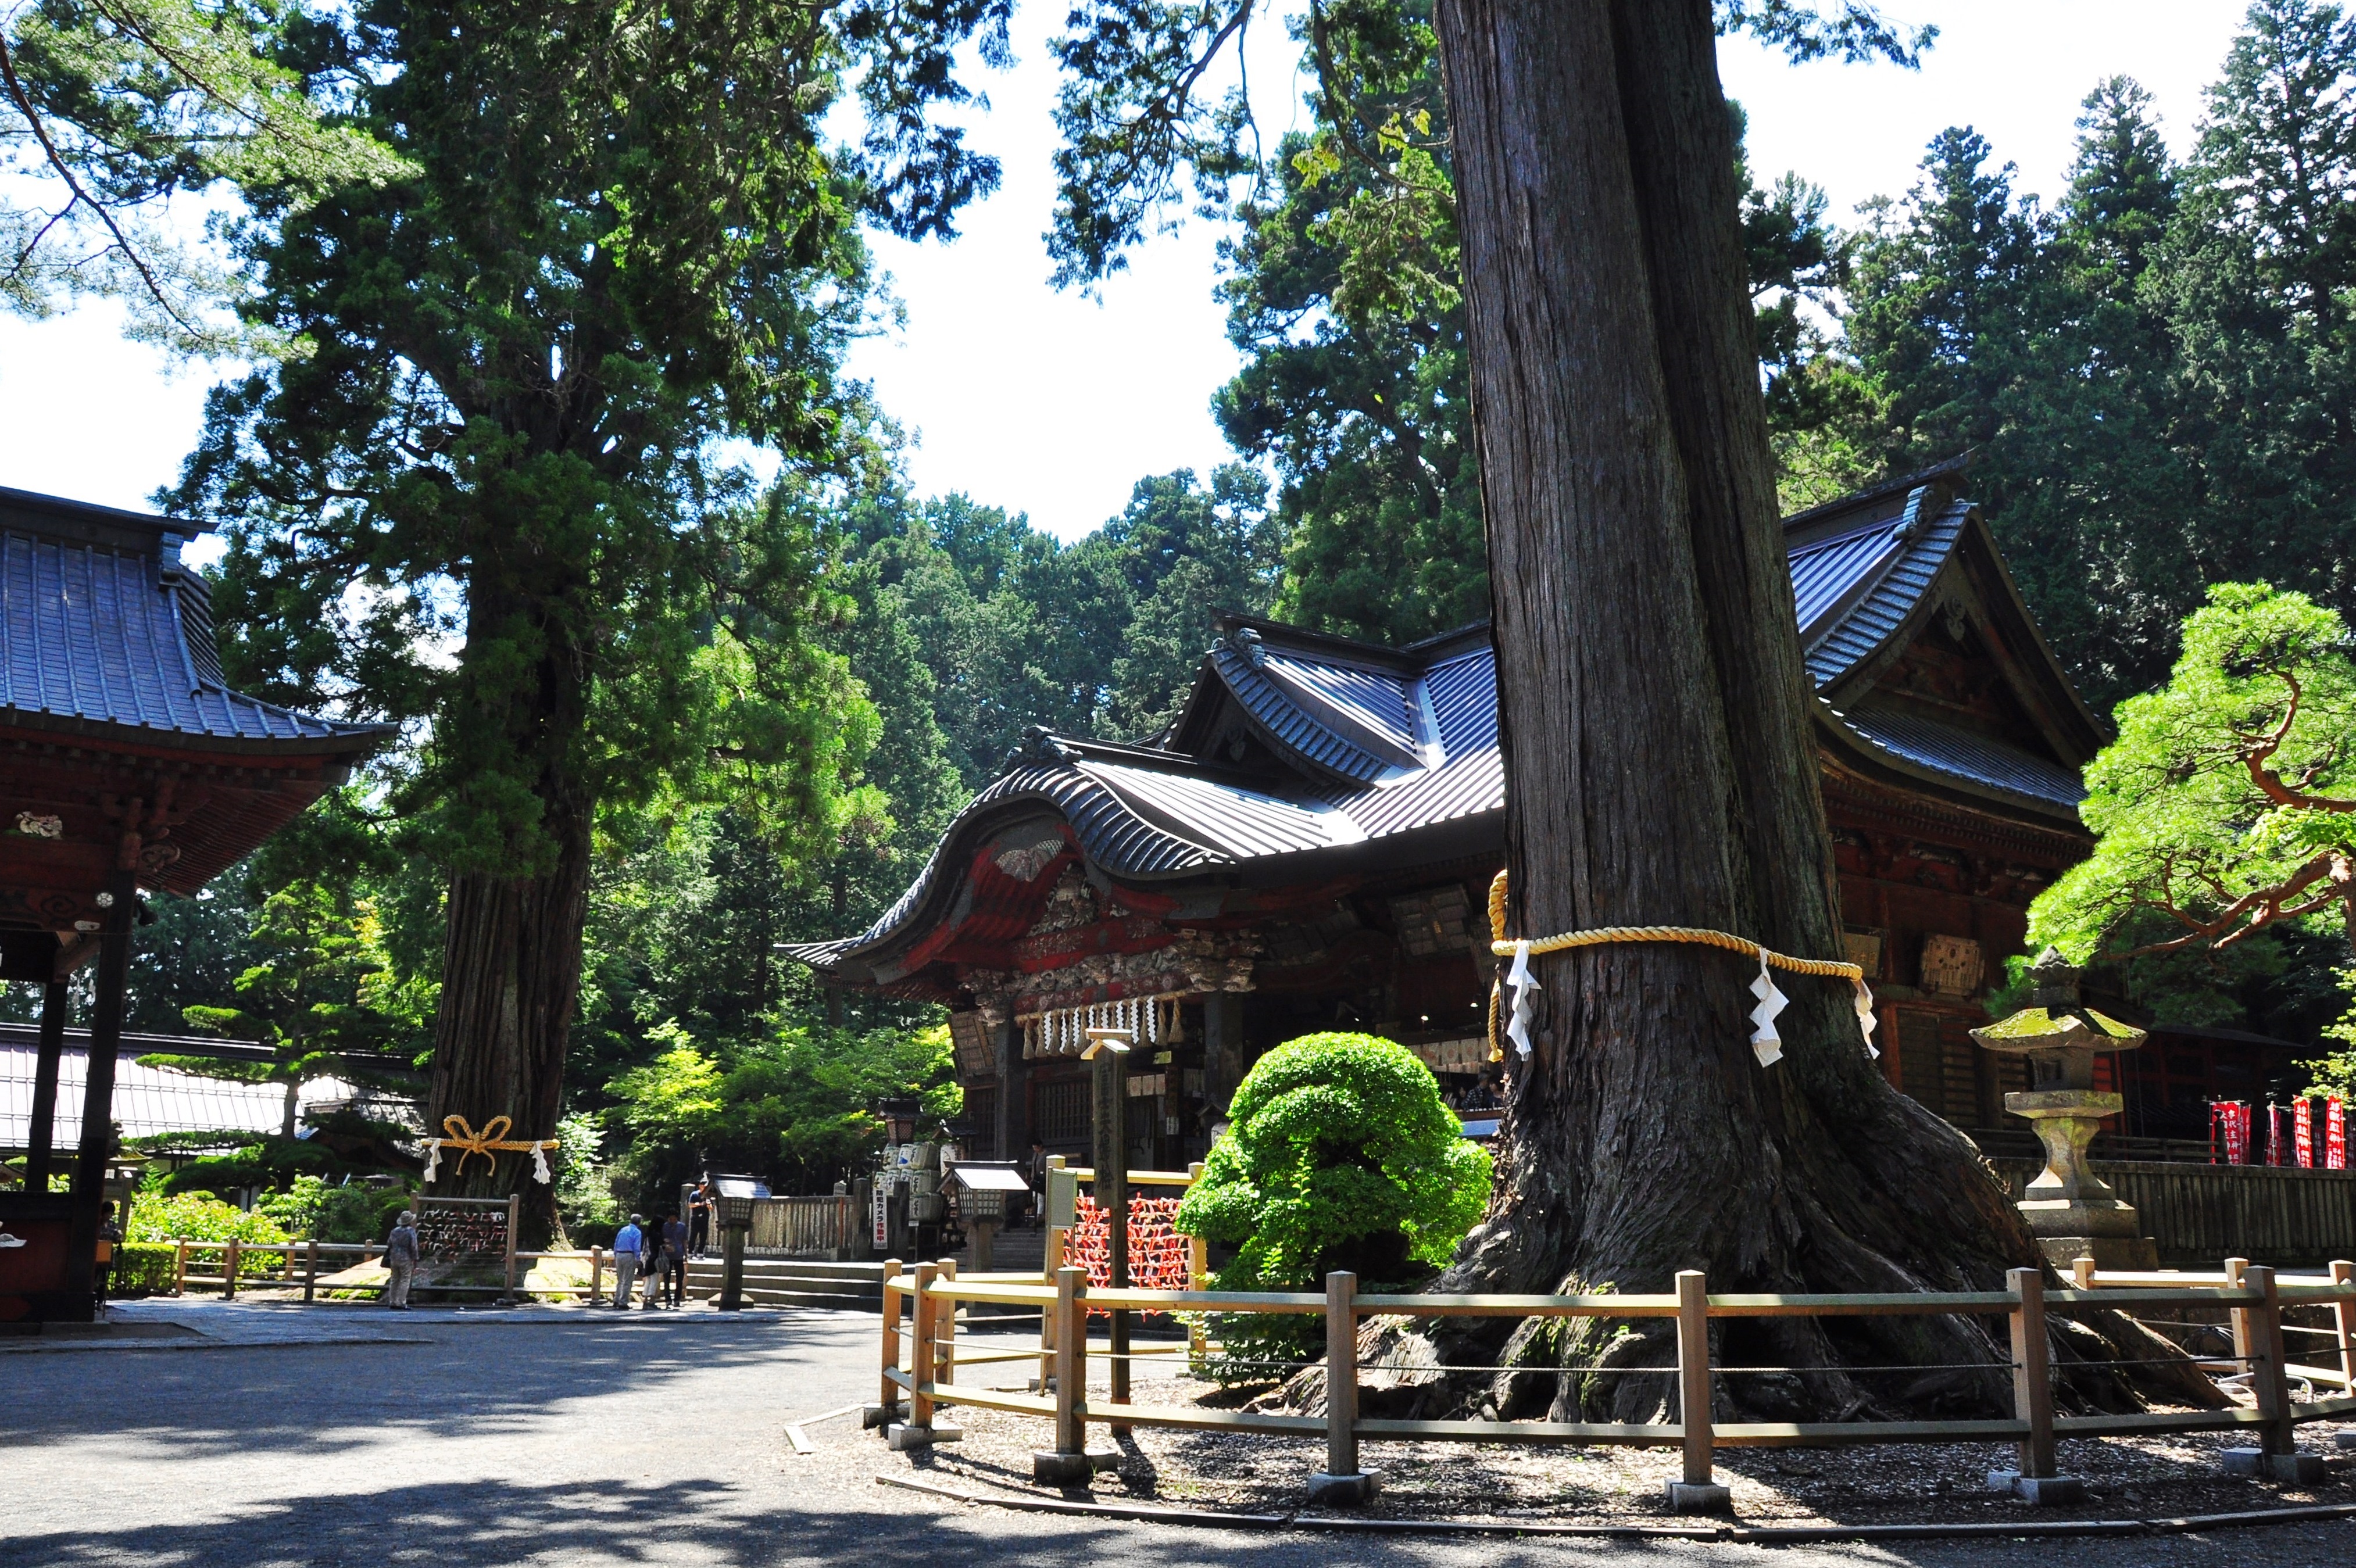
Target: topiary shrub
(1339, 1155)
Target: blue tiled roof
(113, 634)
(1390, 750)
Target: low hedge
(143, 1268)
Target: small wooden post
(596, 1275)
(311, 1269)
(180, 1269)
(920, 1360)
(1693, 1376)
(1071, 1359)
(2343, 1316)
(2081, 1273)
(1341, 1375)
(2268, 1380)
(2032, 1382)
(890, 1397)
(228, 1269)
(945, 1330)
(514, 1202)
(2235, 1269)
(1198, 1277)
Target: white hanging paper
(1523, 983)
(433, 1158)
(1764, 1041)
(1866, 1021)
(540, 1163)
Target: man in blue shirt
(627, 1246)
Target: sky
(1055, 404)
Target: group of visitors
(660, 1252)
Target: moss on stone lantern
(2070, 1209)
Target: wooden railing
(2256, 1297)
(229, 1260)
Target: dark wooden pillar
(1014, 1123)
(1109, 1106)
(97, 1092)
(1223, 1049)
(39, 1138)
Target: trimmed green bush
(143, 1268)
(1339, 1155)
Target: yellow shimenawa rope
(1602, 935)
(494, 1137)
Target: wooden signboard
(1952, 966)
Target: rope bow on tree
(488, 1143)
(1764, 1041)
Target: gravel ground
(2167, 1475)
(561, 1436)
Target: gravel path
(555, 1436)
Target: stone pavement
(347, 1434)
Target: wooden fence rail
(2278, 1215)
(234, 1255)
(2256, 1297)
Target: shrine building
(1308, 847)
(126, 763)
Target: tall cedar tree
(1344, 296)
(1659, 766)
(481, 502)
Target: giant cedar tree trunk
(1658, 762)
(511, 956)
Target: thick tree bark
(1658, 762)
(512, 954)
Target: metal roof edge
(1869, 755)
(87, 522)
(344, 741)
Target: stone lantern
(2072, 1212)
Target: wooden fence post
(2343, 1318)
(2269, 1381)
(920, 1362)
(1697, 1490)
(1198, 1277)
(1071, 1359)
(945, 1330)
(1693, 1377)
(1342, 1481)
(2235, 1268)
(2081, 1273)
(514, 1202)
(311, 1269)
(596, 1274)
(180, 1269)
(2032, 1380)
(228, 1270)
(888, 1400)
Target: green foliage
(585, 1187)
(2223, 811)
(1339, 1155)
(2155, 373)
(309, 1000)
(198, 1216)
(795, 1106)
(112, 108)
(1338, 1150)
(331, 1210)
(143, 1268)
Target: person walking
(674, 1259)
(401, 1260)
(627, 1246)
